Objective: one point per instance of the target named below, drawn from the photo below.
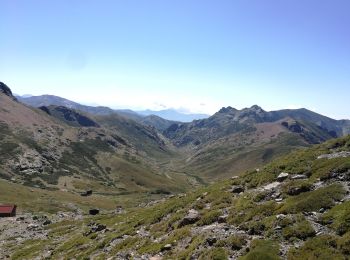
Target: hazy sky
(195, 54)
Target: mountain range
(248, 176)
(227, 143)
(168, 114)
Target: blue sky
(197, 55)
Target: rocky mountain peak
(256, 108)
(6, 90)
(227, 110)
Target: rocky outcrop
(343, 154)
(69, 116)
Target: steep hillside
(157, 122)
(296, 207)
(57, 148)
(69, 116)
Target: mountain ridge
(167, 114)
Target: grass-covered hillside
(296, 207)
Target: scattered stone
(279, 200)
(282, 176)
(234, 177)
(322, 210)
(280, 216)
(237, 189)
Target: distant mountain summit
(51, 100)
(173, 115)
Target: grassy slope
(251, 212)
(222, 160)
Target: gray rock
(299, 177)
(190, 218)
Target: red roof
(7, 208)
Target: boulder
(223, 218)
(98, 228)
(297, 190)
(237, 189)
(167, 247)
(94, 211)
(86, 193)
(190, 218)
(282, 176)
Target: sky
(194, 55)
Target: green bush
(301, 230)
(321, 247)
(214, 254)
(344, 244)
(338, 217)
(209, 217)
(314, 200)
(262, 250)
(235, 242)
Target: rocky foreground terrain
(296, 207)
